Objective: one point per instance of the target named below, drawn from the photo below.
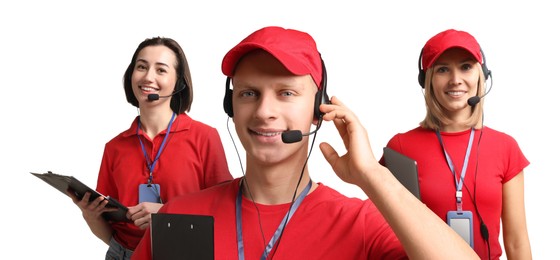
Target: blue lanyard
(152, 165)
(287, 217)
(459, 183)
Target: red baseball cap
(296, 50)
(445, 40)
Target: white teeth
(268, 134)
(148, 89)
(454, 93)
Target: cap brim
(473, 53)
(291, 63)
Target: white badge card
(149, 193)
(462, 223)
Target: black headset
(422, 74)
(320, 98)
(179, 87)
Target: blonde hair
(435, 114)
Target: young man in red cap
(467, 177)
(275, 211)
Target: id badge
(462, 223)
(149, 193)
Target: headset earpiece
(318, 101)
(180, 85)
(421, 73)
(177, 96)
(485, 71)
(228, 106)
(321, 97)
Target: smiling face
(154, 73)
(268, 100)
(455, 79)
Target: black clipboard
(182, 236)
(404, 168)
(63, 183)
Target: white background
(61, 68)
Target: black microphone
(294, 136)
(154, 97)
(472, 101)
